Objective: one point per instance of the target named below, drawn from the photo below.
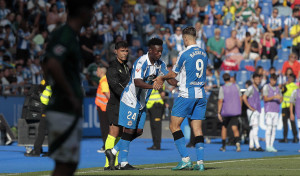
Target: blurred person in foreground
(62, 66)
(295, 106)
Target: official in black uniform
(118, 76)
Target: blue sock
(118, 145)
(180, 143)
(200, 151)
(124, 149)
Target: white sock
(268, 136)
(123, 164)
(273, 136)
(251, 141)
(255, 137)
(114, 151)
(200, 162)
(186, 159)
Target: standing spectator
(3, 10)
(105, 31)
(232, 49)
(251, 99)
(19, 74)
(192, 12)
(285, 106)
(200, 36)
(87, 43)
(229, 97)
(176, 41)
(244, 12)
(295, 35)
(129, 17)
(213, 14)
(216, 48)
(241, 29)
(151, 28)
(116, 6)
(272, 99)
(120, 25)
(211, 80)
(274, 24)
(292, 63)
(290, 21)
(101, 100)
(27, 74)
(268, 47)
(53, 18)
(253, 3)
(5, 81)
(36, 70)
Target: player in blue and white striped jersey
(191, 103)
(132, 114)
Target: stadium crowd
(240, 36)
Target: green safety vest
(46, 95)
(154, 98)
(287, 95)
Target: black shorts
(112, 111)
(233, 120)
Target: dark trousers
(156, 113)
(285, 117)
(104, 123)
(271, 55)
(41, 136)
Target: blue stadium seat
(282, 21)
(209, 31)
(231, 73)
(170, 27)
(286, 42)
(266, 9)
(160, 19)
(146, 20)
(241, 77)
(247, 63)
(278, 63)
(265, 63)
(283, 53)
(225, 31)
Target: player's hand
(220, 117)
(158, 82)
(156, 86)
(292, 117)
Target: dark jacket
(117, 78)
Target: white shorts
(58, 123)
(253, 117)
(272, 118)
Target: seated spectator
(268, 47)
(174, 10)
(152, 29)
(283, 78)
(213, 14)
(241, 29)
(244, 12)
(254, 52)
(255, 31)
(120, 25)
(232, 53)
(246, 46)
(295, 35)
(289, 22)
(4, 11)
(274, 24)
(211, 80)
(260, 18)
(216, 49)
(192, 12)
(292, 63)
(229, 13)
(176, 41)
(105, 31)
(253, 3)
(87, 42)
(36, 70)
(200, 36)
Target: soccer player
(229, 109)
(295, 101)
(251, 99)
(191, 102)
(62, 67)
(272, 99)
(118, 76)
(134, 98)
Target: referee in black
(118, 76)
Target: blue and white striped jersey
(136, 97)
(191, 69)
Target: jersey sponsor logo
(197, 83)
(59, 50)
(137, 69)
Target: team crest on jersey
(129, 123)
(138, 69)
(59, 50)
(120, 71)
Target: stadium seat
(278, 63)
(241, 77)
(231, 73)
(265, 63)
(146, 20)
(266, 9)
(170, 27)
(286, 42)
(209, 30)
(160, 19)
(247, 65)
(283, 54)
(225, 31)
(282, 21)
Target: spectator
(295, 35)
(290, 21)
(192, 12)
(258, 17)
(174, 10)
(211, 80)
(53, 18)
(151, 29)
(200, 36)
(253, 3)
(254, 52)
(120, 25)
(176, 41)
(9, 37)
(244, 12)
(293, 64)
(5, 81)
(116, 5)
(3, 10)
(255, 32)
(233, 56)
(229, 13)
(268, 47)
(213, 14)
(37, 73)
(129, 18)
(141, 10)
(19, 75)
(241, 29)
(105, 31)
(216, 48)
(246, 46)
(274, 24)
(27, 74)
(87, 42)
(282, 79)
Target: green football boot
(199, 167)
(183, 166)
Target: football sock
(123, 146)
(200, 162)
(255, 137)
(109, 144)
(199, 140)
(223, 143)
(186, 159)
(268, 136)
(180, 143)
(123, 164)
(273, 135)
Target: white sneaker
(269, 149)
(273, 149)
(101, 150)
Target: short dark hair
(273, 76)
(272, 68)
(189, 31)
(292, 76)
(155, 41)
(226, 76)
(74, 6)
(121, 44)
(255, 75)
(295, 10)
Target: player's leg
(274, 126)
(255, 131)
(268, 131)
(236, 133)
(224, 132)
(285, 112)
(250, 115)
(104, 127)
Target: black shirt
(118, 76)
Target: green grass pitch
(283, 166)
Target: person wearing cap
(272, 98)
(255, 31)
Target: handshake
(158, 83)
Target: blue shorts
(131, 117)
(189, 107)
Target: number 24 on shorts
(131, 116)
